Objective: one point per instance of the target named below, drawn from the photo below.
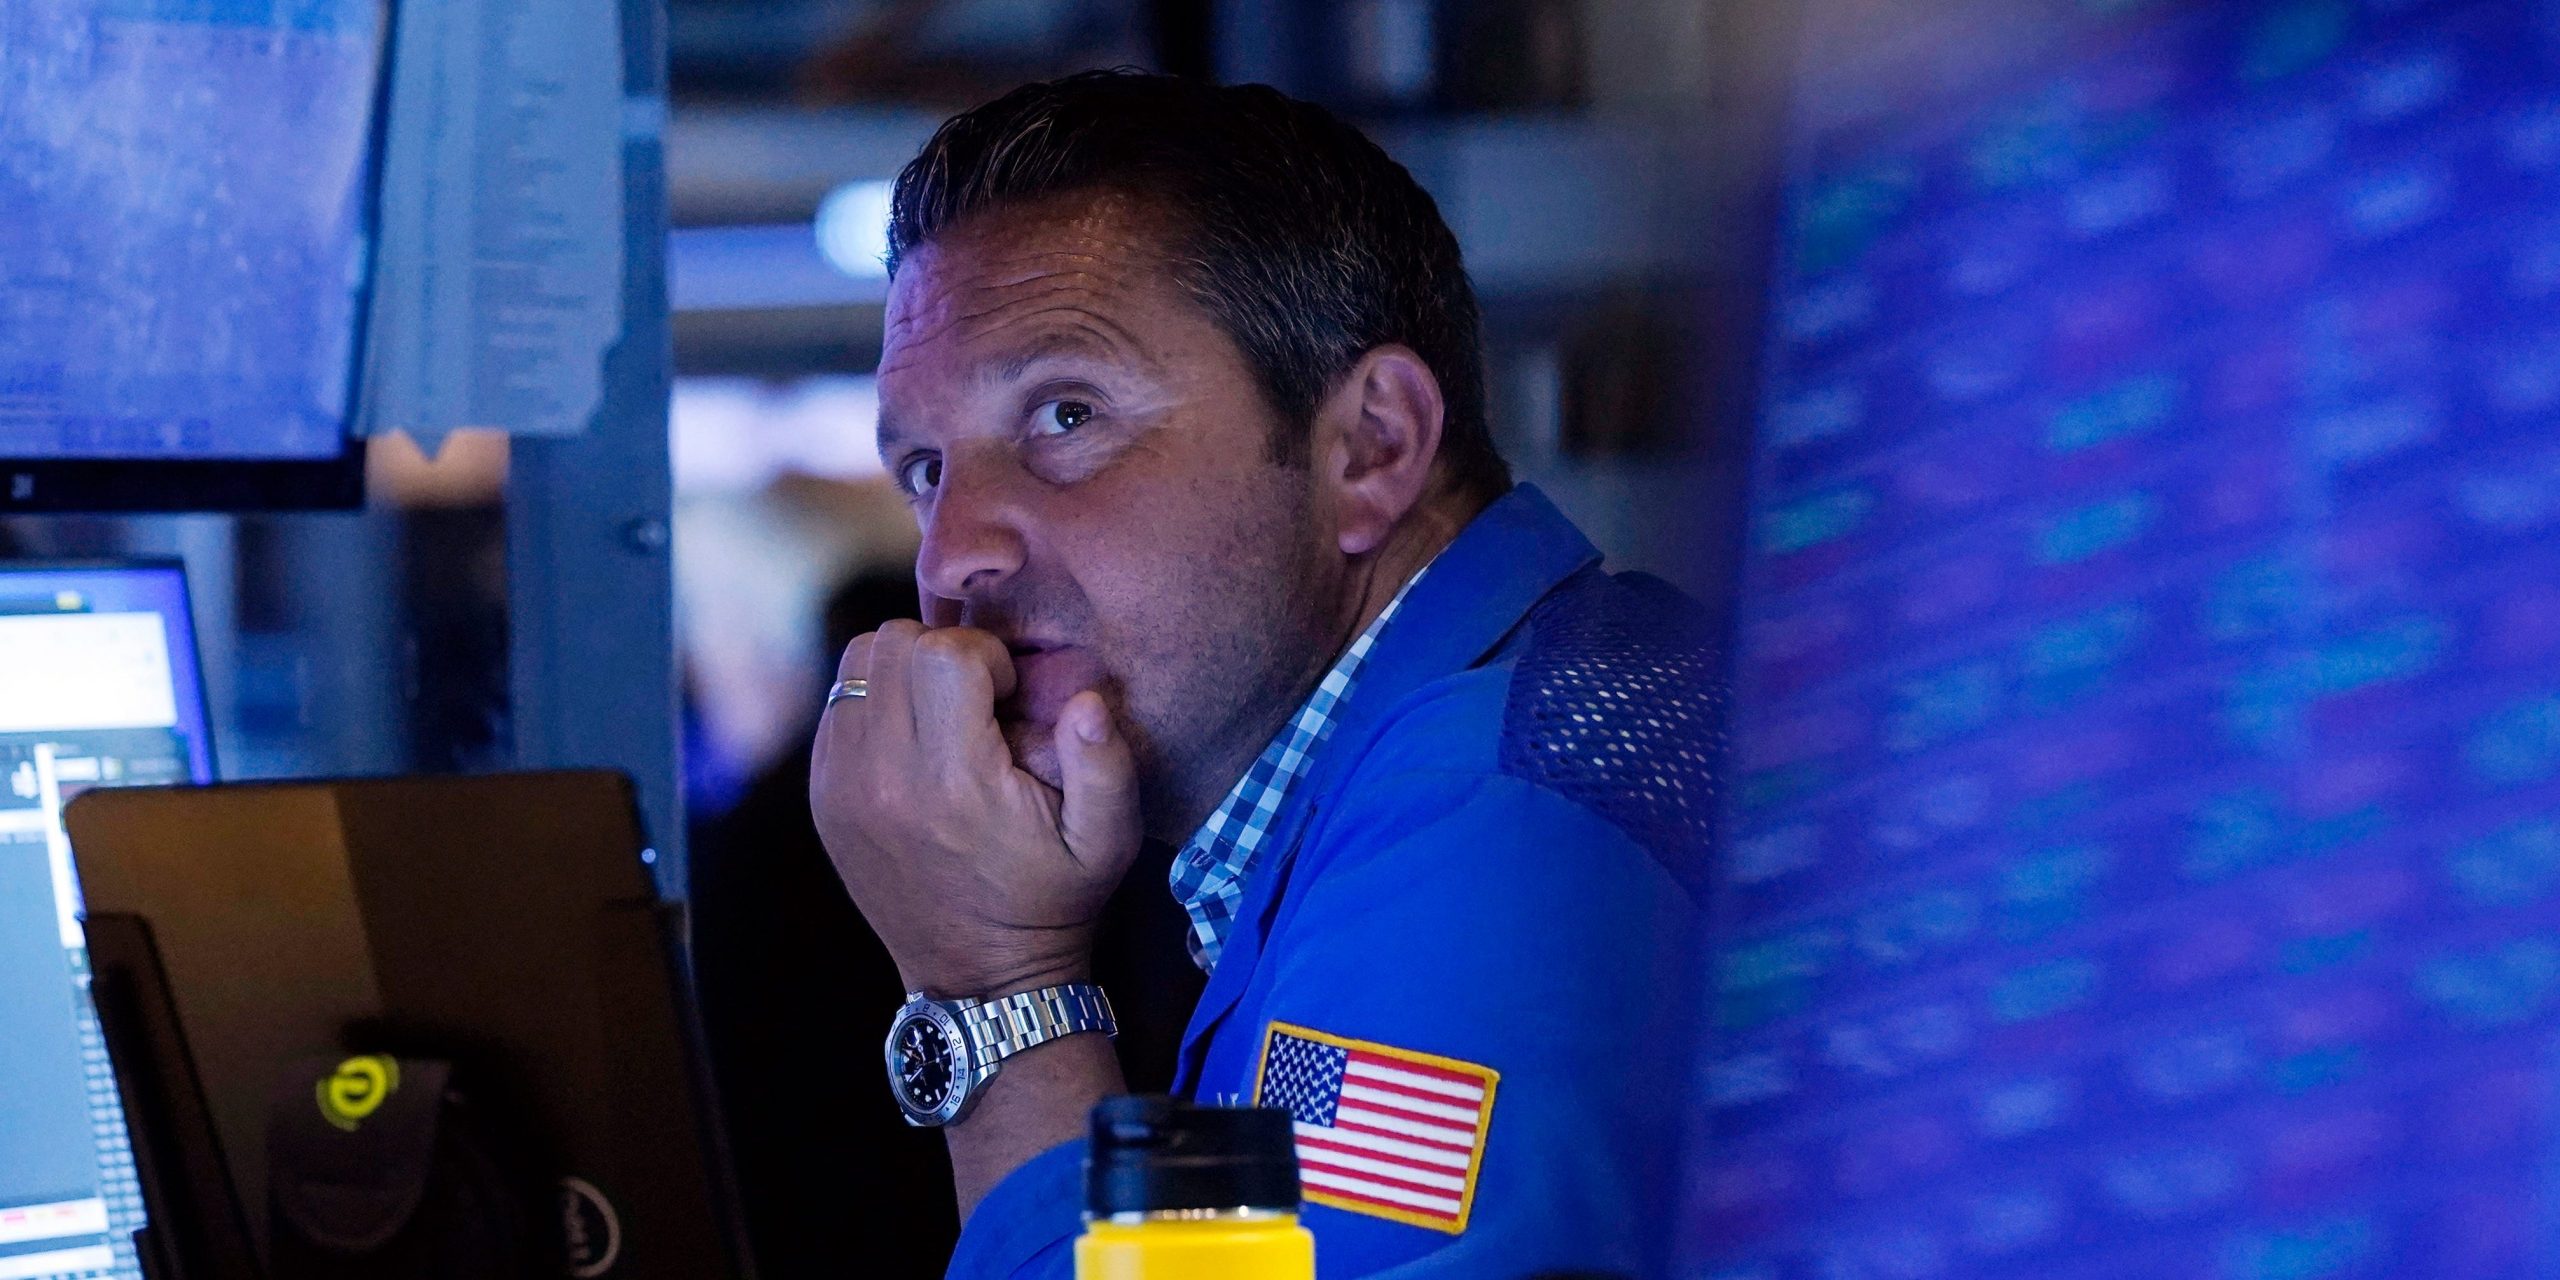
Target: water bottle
(1181, 1192)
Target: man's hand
(981, 879)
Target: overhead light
(853, 228)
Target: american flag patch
(1381, 1131)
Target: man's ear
(1382, 437)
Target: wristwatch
(942, 1053)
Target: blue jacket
(1489, 874)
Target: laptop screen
(99, 686)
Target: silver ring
(848, 689)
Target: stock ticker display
(2143, 857)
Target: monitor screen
(2143, 850)
(188, 205)
(98, 687)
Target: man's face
(1087, 456)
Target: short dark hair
(1303, 241)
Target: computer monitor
(2143, 842)
(98, 687)
(189, 212)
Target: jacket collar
(1507, 559)
(1479, 589)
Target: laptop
(506, 923)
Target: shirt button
(1200, 859)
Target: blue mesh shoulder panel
(1615, 704)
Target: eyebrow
(886, 438)
(1052, 345)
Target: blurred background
(2142, 852)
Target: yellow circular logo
(356, 1089)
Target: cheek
(1186, 555)
(1160, 536)
(1200, 598)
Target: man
(1183, 383)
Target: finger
(839, 717)
(892, 653)
(957, 675)
(851, 666)
(1100, 780)
(855, 662)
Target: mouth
(1046, 674)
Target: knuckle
(857, 656)
(878, 801)
(872, 779)
(956, 781)
(948, 651)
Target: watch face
(926, 1061)
(924, 1064)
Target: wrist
(993, 972)
(943, 1056)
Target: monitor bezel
(10, 566)
(145, 485)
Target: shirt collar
(1209, 873)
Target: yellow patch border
(1475, 1158)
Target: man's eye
(1058, 417)
(920, 475)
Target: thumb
(1100, 783)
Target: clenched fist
(980, 878)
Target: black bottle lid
(1156, 1155)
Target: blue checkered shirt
(1208, 875)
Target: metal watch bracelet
(1007, 1025)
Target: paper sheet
(498, 277)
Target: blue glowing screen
(182, 225)
(99, 687)
(2143, 854)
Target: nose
(972, 534)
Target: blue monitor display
(2143, 856)
(98, 687)
(184, 229)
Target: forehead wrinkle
(992, 258)
(977, 280)
(968, 301)
(1067, 306)
(1025, 266)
